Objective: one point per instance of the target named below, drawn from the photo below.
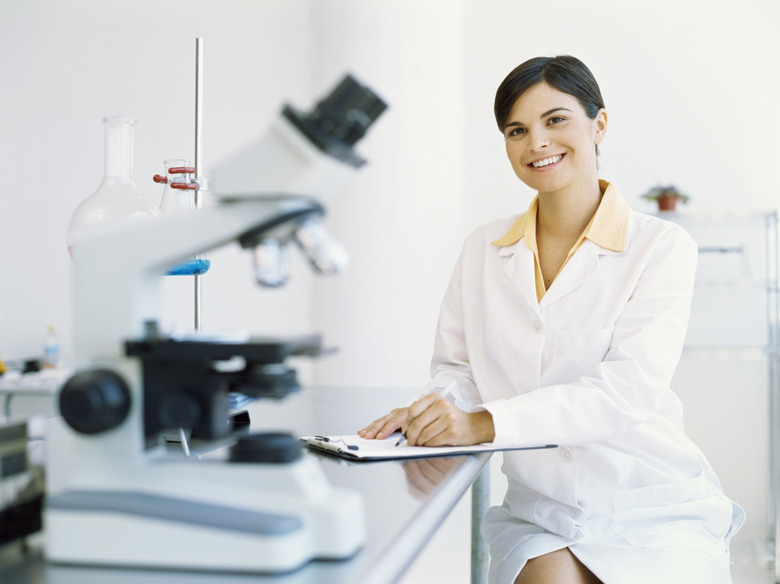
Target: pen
(447, 391)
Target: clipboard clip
(331, 441)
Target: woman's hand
(384, 426)
(433, 420)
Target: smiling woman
(564, 325)
(552, 148)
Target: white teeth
(546, 161)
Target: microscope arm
(118, 272)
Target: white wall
(689, 85)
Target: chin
(544, 185)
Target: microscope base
(272, 527)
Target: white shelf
(737, 282)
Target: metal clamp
(192, 184)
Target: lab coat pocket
(692, 513)
(578, 350)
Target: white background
(691, 88)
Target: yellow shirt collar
(608, 227)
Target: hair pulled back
(565, 73)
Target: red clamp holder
(190, 185)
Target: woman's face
(551, 141)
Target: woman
(564, 326)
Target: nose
(538, 139)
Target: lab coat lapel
(519, 268)
(583, 265)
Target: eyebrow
(544, 115)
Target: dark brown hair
(564, 73)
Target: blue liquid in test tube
(192, 267)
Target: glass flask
(117, 199)
(179, 197)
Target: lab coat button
(537, 326)
(566, 454)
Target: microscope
(260, 506)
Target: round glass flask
(117, 199)
(179, 197)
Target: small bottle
(179, 197)
(117, 199)
(51, 349)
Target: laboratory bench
(405, 503)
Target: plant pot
(667, 203)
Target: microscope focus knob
(95, 401)
(266, 447)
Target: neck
(566, 213)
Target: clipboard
(353, 447)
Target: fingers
(433, 421)
(384, 426)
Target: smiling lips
(546, 161)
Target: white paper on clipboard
(353, 447)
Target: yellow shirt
(607, 228)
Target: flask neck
(118, 164)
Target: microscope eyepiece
(340, 119)
(348, 111)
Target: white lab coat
(587, 368)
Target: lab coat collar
(582, 266)
(519, 268)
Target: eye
(515, 131)
(555, 120)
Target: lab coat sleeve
(450, 368)
(630, 384)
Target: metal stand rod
(198, 198)
(480, 500)
(198, 153)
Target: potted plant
(666, 197)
